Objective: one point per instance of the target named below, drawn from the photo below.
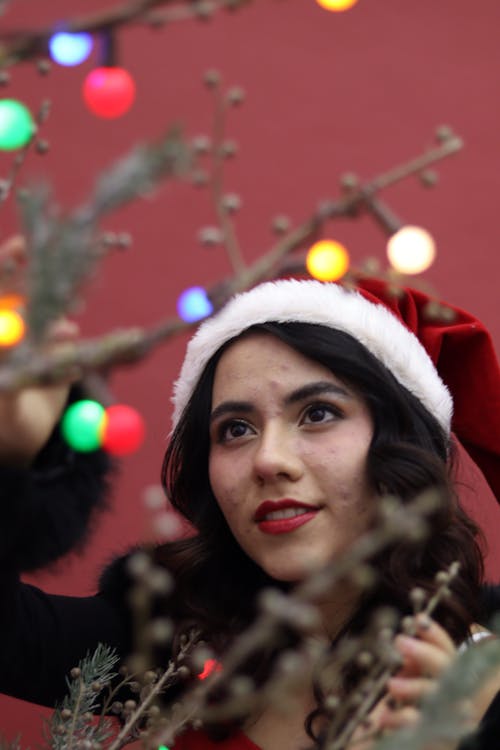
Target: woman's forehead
(259, 358)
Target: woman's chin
(291, 574)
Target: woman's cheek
(226, 492)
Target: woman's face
(288, 449)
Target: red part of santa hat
(463, 353)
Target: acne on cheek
(228, 499)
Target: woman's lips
(284, 525)
(283, 516)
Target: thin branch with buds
(298, 610)
(229, 237)
(29, 366)
(16, 46)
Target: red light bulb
(124, 430)
(210, 665)
(109, 91)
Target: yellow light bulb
(12, 327)
(327, 260)
(336, 5)
(411, 250)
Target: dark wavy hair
(409, 453)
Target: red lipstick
(283, 525)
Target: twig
(216, 183)
(142, 707)
(21, 45)
(156, 689)
(348, 205)
(124, 347)
(75, 360)
(451, 145)
(199, 9)
(379, 676)
(76, 713)
(400, 523)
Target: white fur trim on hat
(308, 301)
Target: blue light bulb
(193, 304)
(70, 49)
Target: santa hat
(434, 357)
(463, 353)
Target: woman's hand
(425, 657)
(28, 416)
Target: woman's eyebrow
(316, 389)
(300, 394)
(227, 407)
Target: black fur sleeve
(48, 509)
(490, 603)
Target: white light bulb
(411, 250)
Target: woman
(298, 407)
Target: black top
(44, 636)
(45, 512)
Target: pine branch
(72, 721)
(63, 252)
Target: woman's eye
(319, 413)
(232, 430)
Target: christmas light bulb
(327, 260)
(109, 91)
(12, 327)
(210, 665)
(16, 125)
(193, 304)
(411, 250)
(11, 301)
(83, 424)
(124, 430)
(336, 5)
(70, 49)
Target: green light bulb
(16, 125)
(82, 425)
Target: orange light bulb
(327, 260)
(11, 301)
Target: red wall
(326, 93)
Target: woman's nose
(276, 456)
